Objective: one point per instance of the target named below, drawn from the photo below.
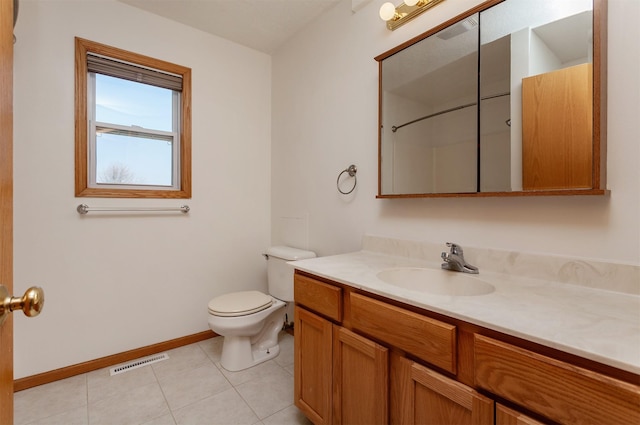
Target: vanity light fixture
(396, 16)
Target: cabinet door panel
(431, 398)
(434, 408)
(361, 379)
(312, 367)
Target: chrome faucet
(454, 260)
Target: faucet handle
(455, 248)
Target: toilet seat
(239, 303)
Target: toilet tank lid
(290, 254)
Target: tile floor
(189, 388)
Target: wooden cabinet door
(506, 416)
(360, 379)
(312, 365)
(558, 153)
(422, 396)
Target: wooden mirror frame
(599, 160)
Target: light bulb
(387, 11)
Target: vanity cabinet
(340, 377)
(363, 358)
(419, 394)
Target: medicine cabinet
(506, 99)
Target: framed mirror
(503, 100)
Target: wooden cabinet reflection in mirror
(557, 154)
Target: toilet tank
(279, 273)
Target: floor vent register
(134, 364)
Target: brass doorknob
(31, 303)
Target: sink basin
(436, 281)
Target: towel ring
(352, 170)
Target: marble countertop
(596, 324)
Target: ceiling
(262, 25)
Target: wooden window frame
(82, 189)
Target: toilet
(250, 321)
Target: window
(133, 125)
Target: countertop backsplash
(576, 271)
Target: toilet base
(239, 354)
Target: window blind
(127, 71)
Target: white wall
(118, 282)
(115, 283)
(325, 118)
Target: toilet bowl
(249, 338)
(250, 321)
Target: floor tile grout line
(234, 386)
(86, 388)
(86, 405)
(166, 400)
(247, 402)
(199, 400)
(219, 369)
(276, 412)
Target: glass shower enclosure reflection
(429, 128)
